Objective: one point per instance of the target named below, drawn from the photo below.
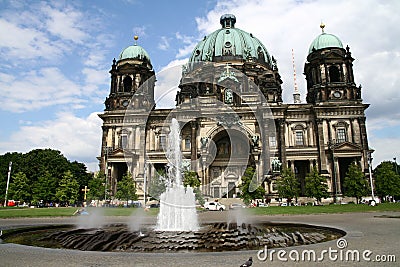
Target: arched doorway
(232, 156)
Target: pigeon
(247, 263)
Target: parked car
(236, 206)
(214, 206)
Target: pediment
(347, 146)
(119, 152)
(333, 55)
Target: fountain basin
(209, 238)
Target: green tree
(126, 188)
(249, 188)
(288, 186)
(96, 187)
(355, 184)
(20, 189)
(316, 186)
(191, 179)
(45, 188)
(5, 159)
(81, 175)
(387, 181)
(68, 189)
(157, 185)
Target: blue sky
(56, 56)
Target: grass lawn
(57, 212)
(60, 212)
(325, 209)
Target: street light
(370, 174)
(331, 145)
(107, 169)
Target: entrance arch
(232, 152)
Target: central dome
(229, 44)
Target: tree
(157, 185)
(355, 184)
(5, 159)
(126, 188)
(20, 188)
(45, 188)
(68, 188)
(288, 186)
(39, 165)
(96, 186)
(387, 181)
(316, 186)
(191, 179)
(250, 189)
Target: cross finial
(322, 26)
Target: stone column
(321, 146)
(193, 145)
(282, 140)
(337, 175)
(113, 137)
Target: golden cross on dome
(322, 26)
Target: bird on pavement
(248, 263)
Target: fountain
(177, 203)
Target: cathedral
(231, 115)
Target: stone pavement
(377, 232)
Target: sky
(56, 57)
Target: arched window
(334, 74)
(127, 84)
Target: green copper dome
(134, 52)
(229, 43)
(325, 40)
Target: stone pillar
(282, 140)
(364, 141)
(113, 137)
(292, 165)
(310, 162)
(321, 146)
(193, 145)
(152, 138)
(337, 175)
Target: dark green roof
(229, 41)
(325, 40)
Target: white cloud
(167, 83)
(139, 31)
(26, 43)
(77, 138)
(164, 43)
(189, 41)
(37, 89)
(67, 23)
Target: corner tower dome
(229, 44)
(325, 40)
(135, 52)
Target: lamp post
(331, 145)
(8, 183)
(107, 169)
(370, 174)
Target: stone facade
(232, 116)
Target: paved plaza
(376, 232)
